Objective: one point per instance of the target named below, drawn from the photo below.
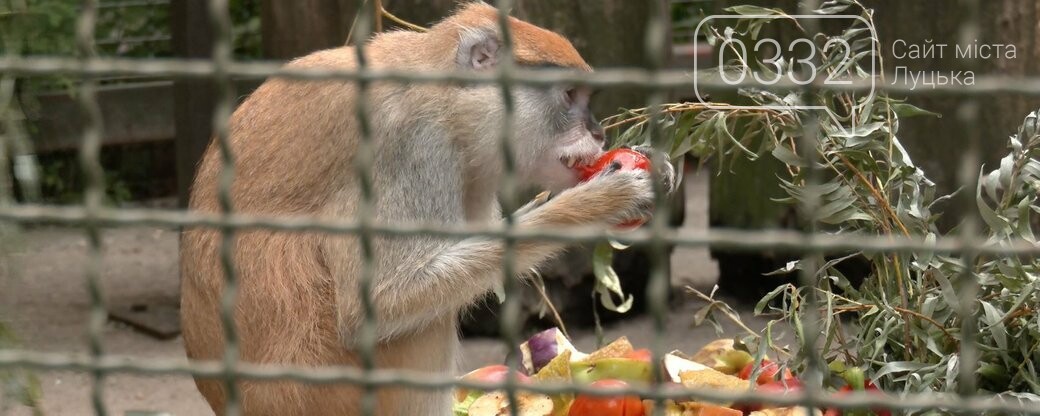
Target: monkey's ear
(478, 50)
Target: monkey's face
(558, 127)
(553, 129)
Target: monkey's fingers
(538, 201)
(662, 165)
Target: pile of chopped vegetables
(550, 357)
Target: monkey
(434, 160)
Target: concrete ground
(44, 300)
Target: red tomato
(641, 354)
(846, 390)
(628, 159)
(607, 406)
(767, 374)
(791, 385)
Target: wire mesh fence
(92, 216)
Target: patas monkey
(436, 160)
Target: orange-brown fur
(294, 144)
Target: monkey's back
(286, 139)
(293, 144)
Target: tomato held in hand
(625, 160)
(607, 406)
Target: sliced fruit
(541, 348)
(691, 409)
(611, 368)
(616, 349)
(708, 353)
(496, 403)
(670, 408)
(674, 364)
(558, 370)
(489, 374)
(732, 361)
(714, 380)
(641, 354)
(710, 379)
(695, 408)
(461, 408)
(785, 411)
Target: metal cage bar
(968, 116)
(607, 77)
(222, 68)
(807, 210)
(221, 58)
(363, 167)
(510, 312)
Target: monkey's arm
(449, 276)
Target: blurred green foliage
(123, 29)
(126, 28)
(686, 14)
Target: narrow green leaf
(783, 154)
(994, 319)
(898, 367)
(904, 110)
(747, 10)
(831, 9)
(994, 221)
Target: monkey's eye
(571, 95)
(577, 96)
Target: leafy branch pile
(901, 326)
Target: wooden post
(420, 12)
(194, 99)
(291, 29)
(607, 33)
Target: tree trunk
(420, 12)
(291, 29)
(194, 99)
(608, 33)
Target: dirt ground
(43, 298)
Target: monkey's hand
(610, 198)
(662, 167)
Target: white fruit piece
(496, 403)
(674, 364)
